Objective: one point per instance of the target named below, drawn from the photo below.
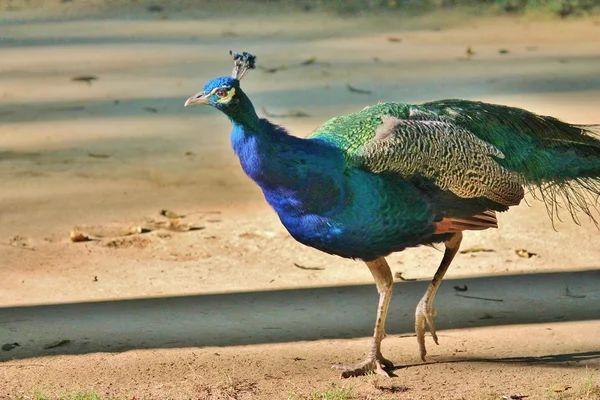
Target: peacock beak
(200, 98)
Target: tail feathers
(478, 222)
(572, 179)
(558, 161)
(580, 195)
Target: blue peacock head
(224, 93)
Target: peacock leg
(375, 362)
(425, 313)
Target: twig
(476, 250)
(477, 297)
(308, 268)
(284, 67)
(84, 78)
(57, 343)
(290, 114)
(98, 155)
(398, 275)
(357, 90)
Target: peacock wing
(452, 157)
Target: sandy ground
(236, 309)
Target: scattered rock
(9, 346)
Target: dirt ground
(234, 308)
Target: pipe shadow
(231, 319)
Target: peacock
(396, 175)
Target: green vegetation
(40, 395)
(591, 387)
(333, 392)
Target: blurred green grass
(561, 8)
(167, 8)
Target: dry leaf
(77, 236)
(524, 253)
(170, 214)
(561, 389)
(135, 230)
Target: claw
(375, 364)
(424, 321)
(425, 313)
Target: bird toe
(377, 365)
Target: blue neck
(259, 146)
(292, 172)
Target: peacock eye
(221, 93)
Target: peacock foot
(424, 319)
(373, 364)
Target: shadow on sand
(296, 315)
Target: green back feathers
(385, 138)
(474, 150)
(351, 132)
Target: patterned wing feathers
(454, 158)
